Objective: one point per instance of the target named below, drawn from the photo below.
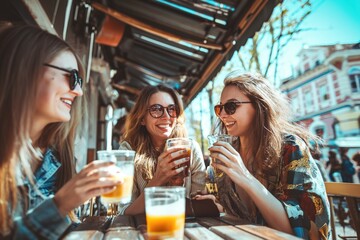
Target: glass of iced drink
(185, 145)
(165, 212)
(223, 138)
(124, 170)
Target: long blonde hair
(272, 119)
(23, 51)
(137, 135)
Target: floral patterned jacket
(302, 190)
(297, 183)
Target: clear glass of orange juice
(185, 145)
(165, 212)
(124, 170)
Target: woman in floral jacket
(270, 177)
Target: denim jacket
(42, 219)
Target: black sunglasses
(157, 111)
(229, 107)
(74, 76)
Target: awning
(349, 120)
(349, 142)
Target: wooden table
(134, 227)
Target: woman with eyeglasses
(270, 177)
(158, 114)
(40, 108)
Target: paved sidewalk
(347, 231)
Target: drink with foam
(184, 144)
(165, 212)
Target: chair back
(351, 192)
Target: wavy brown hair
(23, 51)
(137, 135)
(272, 120)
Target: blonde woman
(158, 115)
(270, 177)
(40, 107)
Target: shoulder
(195, 146)
(125, 146)
(294, 148)
(294, 141)
(194, 143)
(197, 153)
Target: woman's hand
(168, 162)
(230, 162)
(211, 197)
(93, 180)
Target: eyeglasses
(157, 111)
(74, 76)
(229, 107)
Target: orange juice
(178, 180)
(165, 226)
(122, 192)
(165, 212)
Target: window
(355, 83)
(324, 97)
(324, 93)
(308, 101)
(354, 76)
(308, 98)
(295, 105)
(319, 131)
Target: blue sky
(334, 21)
(331, 22)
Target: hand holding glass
(124, 170)
(223, 138)
(185, 144)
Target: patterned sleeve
(41, 222)
(302, 190)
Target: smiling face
(240, 123)
(161, 128)
(54, 96)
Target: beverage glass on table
(217, 138)
(165, 212)
(124, 170)
(185, 144)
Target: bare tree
(262, 52)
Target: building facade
(325, 94)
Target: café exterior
(325, 94)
